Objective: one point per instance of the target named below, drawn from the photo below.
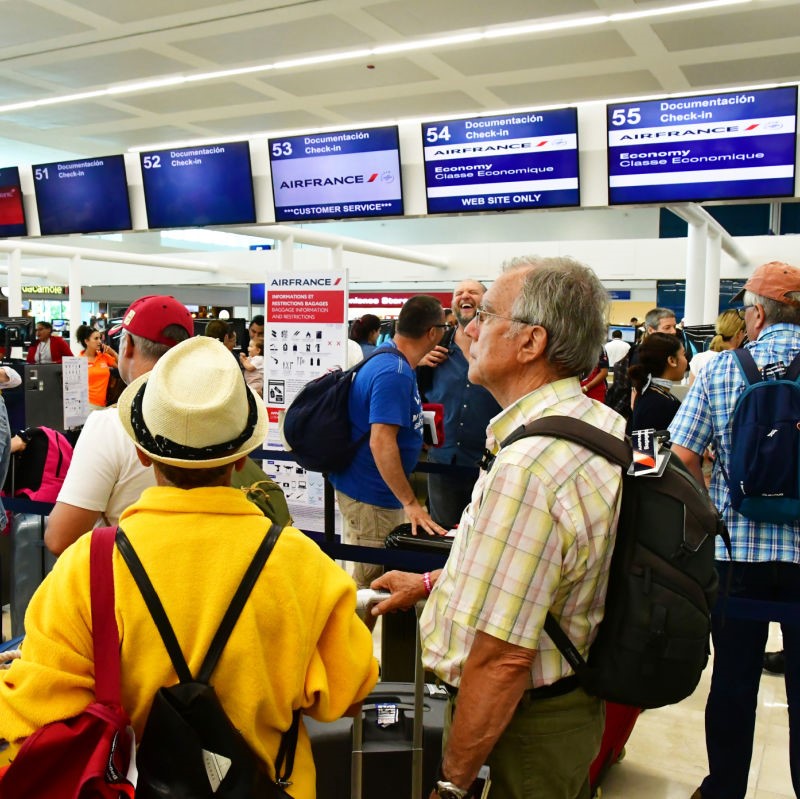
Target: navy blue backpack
(316, 426)
(764, 469)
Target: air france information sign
(525, 160)
(336, 175)
(706, 147)
(305, 335)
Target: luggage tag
(388, 715)
(649, 458)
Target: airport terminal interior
(441, 84)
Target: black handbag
(189, 748)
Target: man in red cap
(765, 562)
(105, 475)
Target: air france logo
(386, 176)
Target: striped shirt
(706, 416)
(536, 536)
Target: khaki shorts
(366, 526)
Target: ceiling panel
(357, 76)
(431, 105)
(24, 22)
(415, 17)
(279, 121)
(193, 97)
(739, 28)
(67, 115)
(744, 71)
(585, 88)
(146, 136)
(107, 68)
(510, 56)
(269, 42)
(12, 91)
(147, 10)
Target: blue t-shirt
(384, 391)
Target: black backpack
(189, 747)
(653, 642)
(316, 426)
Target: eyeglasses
(743, 310)
(442, 325)
(481, 314)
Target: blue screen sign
(524, 160)
(707, 147)
(84, 196)
(193, 186)
(349, 173)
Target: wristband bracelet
(426, 581)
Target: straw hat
(194, 410)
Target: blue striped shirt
(706, 416)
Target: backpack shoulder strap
(154, 605)
(228, 620)
(747, 366)
(105, 635)
(614, 449)
(793, 370)
(381, 351)
(237, 603)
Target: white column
(695, 272)
(711, 299)
(75, 288)
(15, 283)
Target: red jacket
(58, 349)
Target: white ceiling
(58, 47)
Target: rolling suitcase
(391, 750)
(30, 563)
(620, 721)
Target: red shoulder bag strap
(104, 624)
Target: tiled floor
(666, 757)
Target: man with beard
(467, 410)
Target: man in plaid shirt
(766, 556)
(537, 535)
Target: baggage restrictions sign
(730, 146)
(499, 163)
(305, 335)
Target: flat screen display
(195, 186)
(351, 173)
(523, 160)
(708, 147)
(12, 213)
(85, 196)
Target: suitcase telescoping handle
(357, 758)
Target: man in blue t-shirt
(442, 377)
(374, 493)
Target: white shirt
(700, 359)
(105, 474)
(616, 349)
(14, 378)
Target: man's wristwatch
(448, 790)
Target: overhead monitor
(500, 163)
(350, 173)
(196, 186)
(738, 145)
(17, 331)
(84, 196)
(12, 213)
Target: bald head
(466, 298)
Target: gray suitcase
(30, 562)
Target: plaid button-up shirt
(537, 535)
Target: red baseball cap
(149, 316)
(774, 281)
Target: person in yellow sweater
(298, 643)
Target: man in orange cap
(766, 554)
